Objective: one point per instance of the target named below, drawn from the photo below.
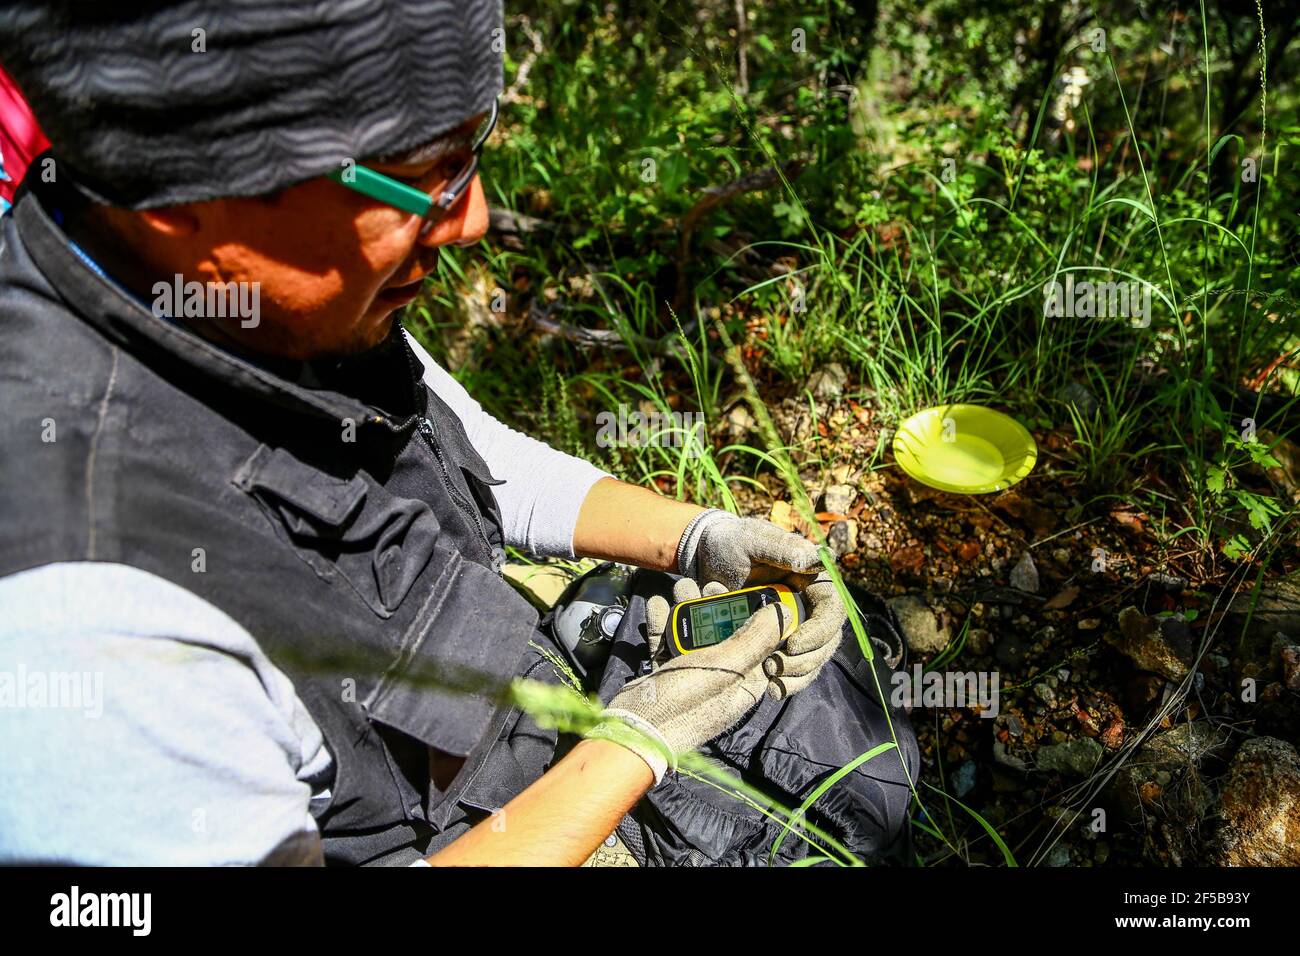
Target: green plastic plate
(967, 449)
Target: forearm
(627, 523)
(560, 819)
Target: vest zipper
(427, 429)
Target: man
(244, 525)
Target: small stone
(1045, 694)
(1007, 759)
(963, 781)
(740, 422)
(1075, 758)
(1045, 635)
(782, 515)
(1167, 582)
(1058, 856)
(843, 537)
(1061, 556)
(1089, 624)
(827, 383)
(1024, 576)
(1162, 647)
(920, 626)
(968, 551)
(1289, 657)
(908, 559)
(838, 499)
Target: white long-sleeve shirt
(543, 489)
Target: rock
(968, 551)
(740, 422)
(1024, 576)
(1162, 647)
(1260, 806)
(909, 559)
(1288, 656)
(963, 781)
(1007, 759)
(782, 515)
(920, 626)
(1166, 779)
(1045, 694)
(838, 499)
(1075, 758)
(845, 473)
(1059, 855)
(842, 538)
(827, 383)
(1276, 609)
(1167, 582)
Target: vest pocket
(349, 530)
(457, 658)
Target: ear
(174, 222)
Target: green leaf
(1140, 207)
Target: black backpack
(785, 749)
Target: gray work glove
(687, 701)
(718, 546)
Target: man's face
(334, 266)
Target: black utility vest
(361, 548)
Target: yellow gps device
(704, 622)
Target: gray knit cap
(152, 104)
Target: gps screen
(714, 622)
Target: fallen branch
(710, 199)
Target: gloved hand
(812, 643)
(687, 701)
(718, 546)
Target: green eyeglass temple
(417, 202)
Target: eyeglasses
(415, 201)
